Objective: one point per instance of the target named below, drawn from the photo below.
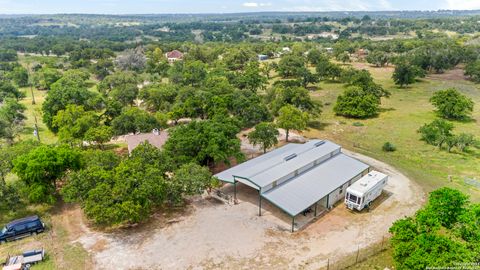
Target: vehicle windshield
(4, 229)
(353, 198)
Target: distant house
(262, 57)
(283, 51)
(174, 55)
(156, 138)
(323, 35)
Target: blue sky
(222, 6)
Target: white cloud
(250, 4)
(255, 4)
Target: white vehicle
(361, 193)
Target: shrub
(437, 132)
(451, 104)
(357, 103)
(9, 197)
(389, 147)
(473, 71)
(358, 124)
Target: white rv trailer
(361, 193)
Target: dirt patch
(252, 151)
(211, 235)
(68, 223)
(367, 66)
(456, 74)
(99, 246)
(211, 232)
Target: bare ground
(210, 235)
(456, 74)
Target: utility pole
(31, 83)
(35, 131)
(31, 90)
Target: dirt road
(210, 235)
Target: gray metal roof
(286, 167)
(271, 166)
(258, 164)
(302, 191)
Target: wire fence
(362, 254)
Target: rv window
(352, 198)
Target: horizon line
(241, 12)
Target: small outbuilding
(262, 57)
(298, 177)
(174, 56)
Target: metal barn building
(297, 177)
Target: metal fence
(362, 254)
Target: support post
(234, 192)
(328, 197)
(293, 224)
(315, 214)
(259, 204)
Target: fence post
(381, 246)
(328, 264)
(358, 253)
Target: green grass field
(46, 136)
(402, 114)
